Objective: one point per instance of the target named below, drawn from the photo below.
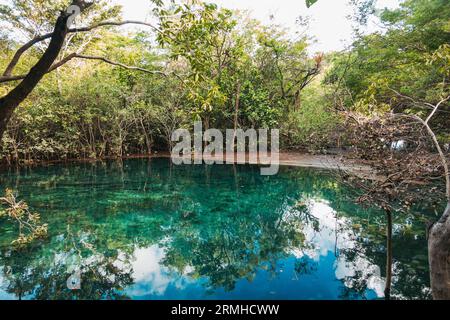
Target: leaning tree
(194, 15)
(57, 40)
(52, 44)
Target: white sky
(329, 25)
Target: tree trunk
(387, 290)
(5, 115)
(236, 113)
(147, 138)
(439, 257)
(12, 100)
(298, 101)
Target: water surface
(144, 229)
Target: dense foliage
(407, 60)
(212, 65)
(116, 93)
(220, 67)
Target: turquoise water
(144, 229)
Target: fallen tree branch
(425, 123)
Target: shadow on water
(145, 229)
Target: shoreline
(289, 159)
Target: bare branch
(441, 155)
(437, 146)
(426, 104)
(80, 56)
(112, 23)
(21, 51)
(430, 131)
(83, 5)
(436, 107)
(15, 60)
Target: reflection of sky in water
(151, 278)
(154, 281)
(132, 227)
(4, 295)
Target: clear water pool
(144, 229)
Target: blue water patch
(145, 229)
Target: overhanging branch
(118, 64)
(15, 60)
(72, 56)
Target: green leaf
(309, 3)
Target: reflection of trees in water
(305, 266)
(410, 278)
(43, 274)
(367, 229)
(223, 231)
(227, 252)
